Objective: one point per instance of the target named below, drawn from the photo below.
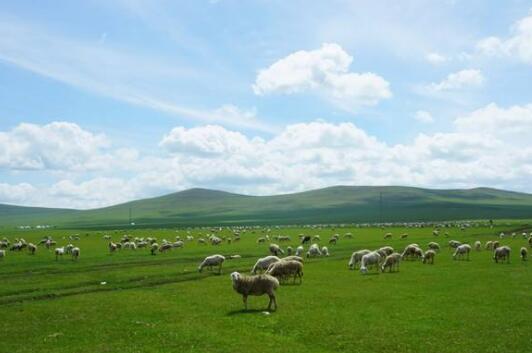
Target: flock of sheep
(268, 272)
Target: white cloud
(58, 145)
(459, 80)
(518, 44)
(326, 71)
(435, 58)
(424, 117)
(487, 147)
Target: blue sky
(104, 102)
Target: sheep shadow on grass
(248, 311)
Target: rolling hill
(332, 204)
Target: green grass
(161, 304)
(340, 204)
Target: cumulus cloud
(326, 71)
(459, 80)
(424, 117)
(488, 147)
(58, 145)
(518, 44)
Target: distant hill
(328, 205)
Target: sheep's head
(235, 276)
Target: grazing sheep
(368, 260)
(316, 238)
(313, 251)
(325, 251)
(489, 245)
(404, 235)
(178, 244)
(165, 247)
(429, 257)
(530, 241)
(59, 252)
(112, 247)
(263, 263)
(454, 244)
(333, 241)
(275, 250)
(202, 241)
(32, 248)
(391, 261)
(299, 250)
(286, 268)
(305, 239)
(502, 253)
(213, 260)
(436, 232)
(261, 240)
(215, 240)
(496, 244)
(386, 250)
(2, 254)
(478, 245)
(524, 254)
(75, 253)
(356, 257)
(461, 251)
(289, 250)
(153, 249)
(412, 251)
(293, 258)
(388, 236)
(255, 285)
(434, 246)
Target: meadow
(131, 301)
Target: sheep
(293, 258)
(373, 258)
(333, 241)
(32, 248)
(429, 257)
(478, 245)
(305, 239)
(59, 252)
(264, 262)
(215, 240)
(313, 251)
(316, 238)
(436, 232)
(325, 251)
(255, 285)
(299, 250)
(462, 250)
(202, 241)
(261, 240)
(153, 249)
(75, 253)
(286, 268)
(165, 247)
(178, 244)
(210, 261)
(434, 246)
(412, 251)
(289, 250)
(388, 236)
(404, 235)
(112, 247)
(391, 261)
(356, 257)
(489, 245)
(524, 253)
(530, 241)
(2, 254)
(385, 250)
(454, 244)
(275, 250)
(502, 253)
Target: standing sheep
(461, 251)
(356, 257)
(74, 252)
(429, 256)
(59, 252)
(285, 268)
(371, 259)
(434, 246)
(325, 251)
(2, 254)
(478, 245)
(299, 250)
(210, 261)
(255, 285)
(314, 251)
(524, 254)
(391, 261)
(264, 262)
(32, 248)
(502, 253)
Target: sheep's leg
(245, 299)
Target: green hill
(333, 204)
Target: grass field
(162, 304)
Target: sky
(102, 102)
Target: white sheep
(255, 285)
(2, 254)
(275, 250)
(210, 261)
(32, 248)
(502, 253)
(59, 252)
(286, 268)
(368, 260)
(391, 261)
(314, 250)
(299, 250)
(356, 257)
(434, 246)
(412, 251)
(478, 245)
(461, 251)
(429, 256)
(325, 251)
(524, 253)
(75, 253)
(264, 262)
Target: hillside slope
(333, 204)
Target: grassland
(340, 204)
(162, 304)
